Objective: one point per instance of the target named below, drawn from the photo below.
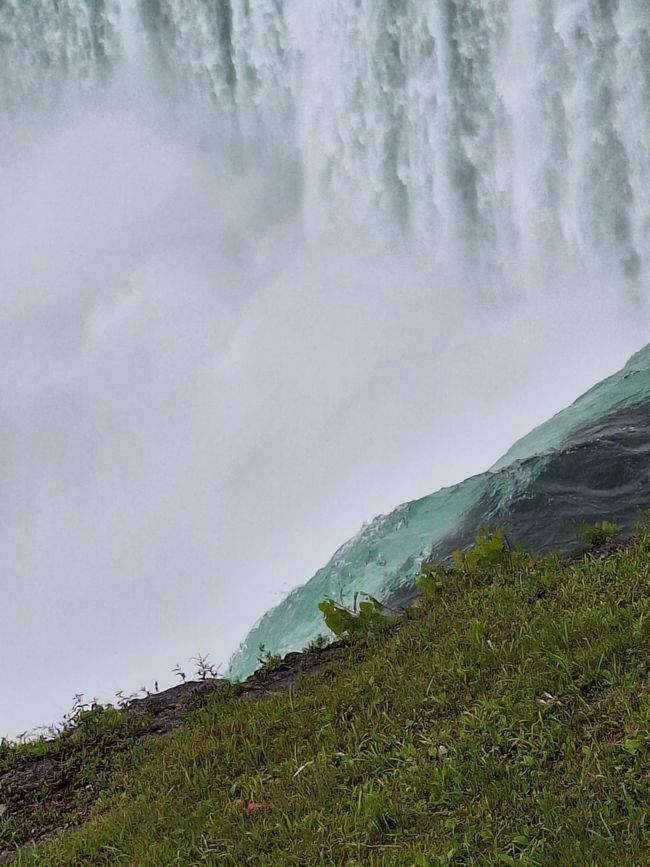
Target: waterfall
(515, 128)
(46, 45)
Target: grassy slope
(504, 721)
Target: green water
(628, 386)
(386, 554)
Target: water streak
(513, 129)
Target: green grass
(505, 720)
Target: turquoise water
(387, 553)
(628, 386)
(383, 556)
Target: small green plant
(491, 551)
(642, 527)
(599, 533)
(359, 621)
(431, 580)
(317, 643)
(268, 660)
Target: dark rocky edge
(48, 781)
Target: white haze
(197, 406)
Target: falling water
(514, 129)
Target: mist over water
(268, 269)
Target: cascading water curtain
(514, 128)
